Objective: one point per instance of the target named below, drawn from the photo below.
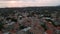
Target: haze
(27, 3)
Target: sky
(27, 3)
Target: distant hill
(38, 9)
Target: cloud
(24, 3)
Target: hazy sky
(25, 3)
